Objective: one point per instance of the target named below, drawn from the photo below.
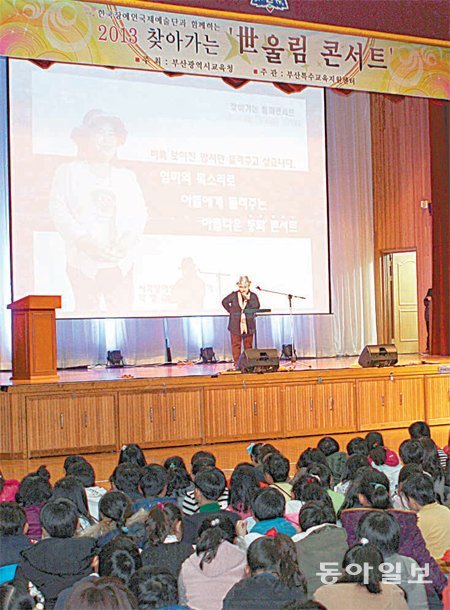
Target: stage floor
(192, 369)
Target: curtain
(440, 195)
(351, 324)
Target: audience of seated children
(274, 577)
(371, 489)
(208, 575)
(59, 560)
(361, 584)
(276, 472)
(320, 539)
(382, 530)
(336, 459)
(164, 545)
(259, 544)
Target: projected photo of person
(189, 291)
(99, 210)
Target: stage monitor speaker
(378, 355)
(259, 361)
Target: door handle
(85, 419)
(174, 413)
(234, 409)
(150, 414)
(255, 408)
(311, 404)
(61, 420)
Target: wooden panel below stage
(99, 415)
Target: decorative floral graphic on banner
(108, 35)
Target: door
(404, 297)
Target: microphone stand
(291, 318)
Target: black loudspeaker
(378, 355)
(259, 361)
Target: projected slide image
(134, 194)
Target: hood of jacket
(60, 556)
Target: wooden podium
(34, 338)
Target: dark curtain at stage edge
(440, 196)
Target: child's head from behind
(276, 468)
(153, 481)
(119, 557)
(214, 530)
(72, 489)
(243, 486)
(59, 518)
(82, 471)
(132, 454)
(357, 445)
(268, 503)
(381, 529)
(316, 512)
(115, 505)
(328, 445)
(126, 478)
(34, 490)
(154, 588)
(12, 519)
(209, 485)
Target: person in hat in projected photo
(241, 304)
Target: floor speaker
(259, 361)
(378, 355)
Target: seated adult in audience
(208, 575)
(336, 459)
(209, 486)
(419, 430)
(320, 540)
(382, 530)
(132, 454)
(362, 587)
(243, 486)
(56, 562)
(276, 472)
(126, 478)
(372, 492)
(155, 587)
(13, 523)
(274, 577)
(84, 472)
(200, 461)
(153, 485)
(106, 593)
(34, 491)
(164, 545)
(433, 519)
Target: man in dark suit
(240, 305)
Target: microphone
(258, 288)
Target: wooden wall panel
(401, 179)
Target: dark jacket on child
(170, 556)
(53, 564)
(412, 543)
(11, 547)
(260, 592)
